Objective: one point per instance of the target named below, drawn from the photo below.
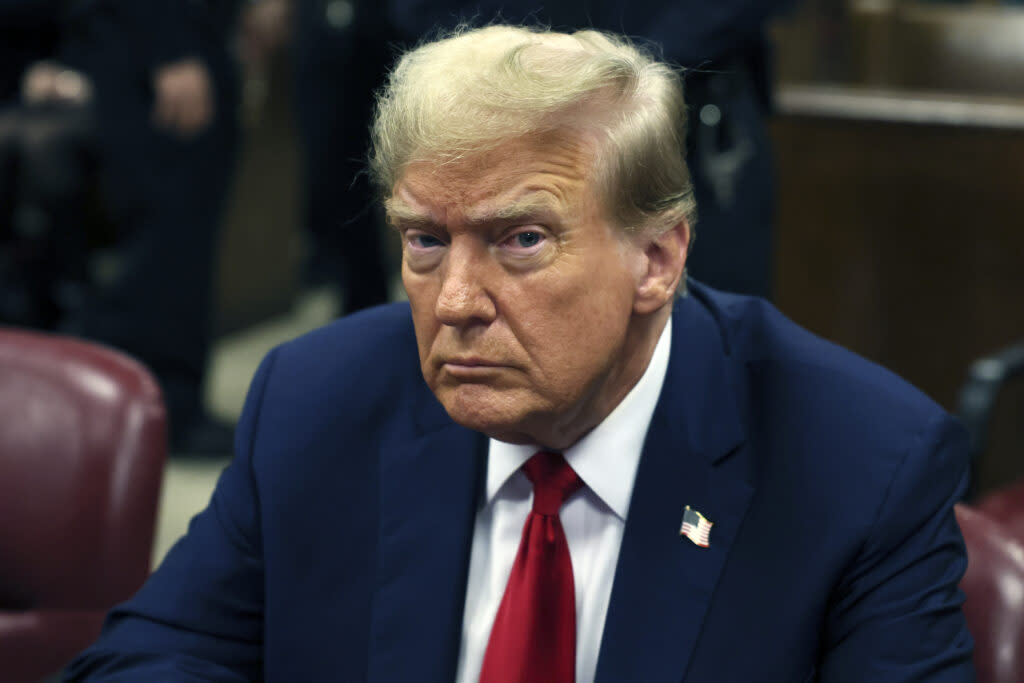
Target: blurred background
(859, 162)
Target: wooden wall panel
(904, 241)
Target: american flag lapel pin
(696, 527)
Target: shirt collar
(606, 458)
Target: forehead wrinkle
(553, 178)
(553, 186)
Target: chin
(497, 414)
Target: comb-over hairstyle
(474, 89)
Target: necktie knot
(553, 481)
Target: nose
(465, 287)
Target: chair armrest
(37, 643)
(986, 378)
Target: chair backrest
(989, 383)
(82, 448)
(83, 440)
(994, 586)
(1006, 506)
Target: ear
(665, 257)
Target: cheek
(421, 303)
(571, 331)
(598, 321)
(410, 281)
(600, 304)
(422, 290)
(577, 296)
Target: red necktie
(534, 634)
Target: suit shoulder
(357, 362)
(823, 414)
(805, 368)
(370, 340)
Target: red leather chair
(993, 528)
(1006, 506)
(994, 586)
(82, 449)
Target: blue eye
(426, 241)
(528, 239)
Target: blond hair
(470, 91)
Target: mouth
(470, 367)
(470, 363)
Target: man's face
(522, 292)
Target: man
(547, 467)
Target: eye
(421, 240)
(427, 241)
(525, 240)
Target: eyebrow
(399, 212)
(534, 204)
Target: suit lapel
(428, 494)
(692, 456)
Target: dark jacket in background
(28, 33)
(163, 194)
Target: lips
(471, 363)
(471, 369)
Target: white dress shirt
(594, 519)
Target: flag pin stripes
(696, 527)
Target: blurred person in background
(158, 86)
(44, 124)
(342, 48)
(340, 51)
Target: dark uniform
(164, 194)
(28, 33)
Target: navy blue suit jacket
(336, 545)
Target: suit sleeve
(896, 616)
(199, 617)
